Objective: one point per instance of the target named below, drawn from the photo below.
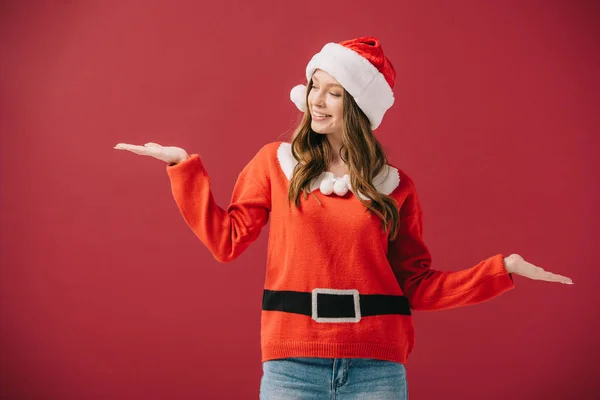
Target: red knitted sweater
(332, 243)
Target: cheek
(339, 111)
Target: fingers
(128, 147)
(541, 274)
(558, 278)
(149, 144)
(531, 271)
(141, 150)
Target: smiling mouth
(316, 114)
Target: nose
(319, 99)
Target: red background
(105, 292)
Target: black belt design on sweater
(334, 305)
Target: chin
(320, 130)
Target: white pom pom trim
(340, 187)
(385, 182)
(326, 186)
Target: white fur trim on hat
(298, 96)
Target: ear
(298, 96)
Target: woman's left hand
(515, 264)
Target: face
(325, 103)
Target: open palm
(168, 154)
(515, 264)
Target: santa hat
(361, 68)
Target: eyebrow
(331, 84)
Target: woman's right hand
(169, 154)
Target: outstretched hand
(169, 154)
(515, 264)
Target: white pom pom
(340, 187)
(298, 96)
(326, 186)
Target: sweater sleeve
(428, 289)
(225, 232)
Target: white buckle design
(352, 292)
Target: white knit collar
(385, 182)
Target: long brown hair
(362, 153)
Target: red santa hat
(360, 66)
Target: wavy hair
(362, 153)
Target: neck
(335, 142)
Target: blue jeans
(302, 378)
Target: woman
(347, 264)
